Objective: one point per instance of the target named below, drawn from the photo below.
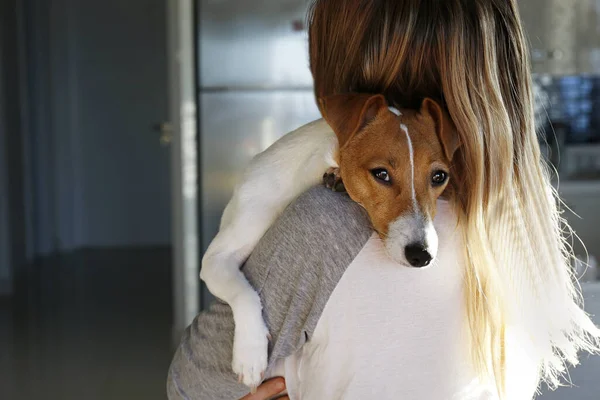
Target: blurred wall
(96, 86)
(5, 271)
(12, 209)
(564, 35)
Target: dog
(394, 163)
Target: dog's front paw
(250, 351)
(332, 180)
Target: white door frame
(182, 114)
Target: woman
(471, 56)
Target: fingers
(267, 390)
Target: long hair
(472, 57)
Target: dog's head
(396, 164)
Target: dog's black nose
(417, 255)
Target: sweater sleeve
(295, 268)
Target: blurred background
(123, 128)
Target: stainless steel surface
(564, 35)
(256, 88)
(235, 127)
(246, 43)
(255, 85)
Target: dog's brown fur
(370, 137)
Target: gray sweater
(295, 268)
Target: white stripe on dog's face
(412, 167)
(412, 228)
(394, 110)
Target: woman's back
(388, 330)
(347, 323)
(383, 330)
(472, 56)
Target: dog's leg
(332, 180)
(246, 220)
(271, 182)
(221, 272)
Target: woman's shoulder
(300, 260)
(324, 214)
(319, 228)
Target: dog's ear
(444, 127)
(349, 113)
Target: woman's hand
(268, 390)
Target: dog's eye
(439, 178)
(381, 175)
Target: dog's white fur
(412, 227)
(272, 181)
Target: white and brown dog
(395, 164)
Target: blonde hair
(471, 56)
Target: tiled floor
(94, 325)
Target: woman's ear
(349, 113)
(444, 127)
